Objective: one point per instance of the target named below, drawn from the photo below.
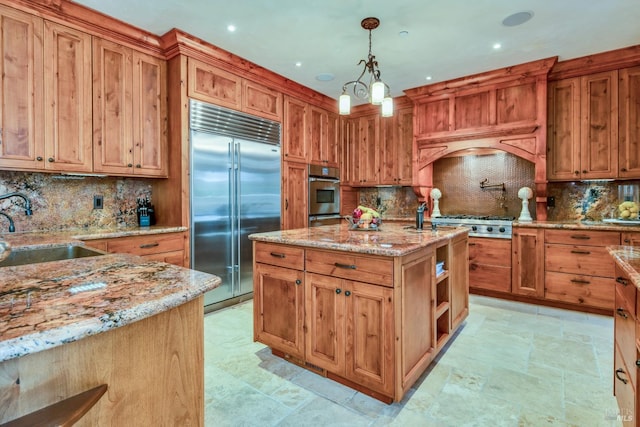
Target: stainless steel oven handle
(332, 180)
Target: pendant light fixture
(377, 92)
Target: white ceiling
(447, 38)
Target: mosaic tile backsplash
(63, 202)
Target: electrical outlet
(551, 202)
(98, 202)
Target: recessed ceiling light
(298, 64)
(428, 78)
(517, 18)
(231, 28)
(497, 46)
(325, 77)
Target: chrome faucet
(27, 206)
(12, 226)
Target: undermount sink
(56, 253)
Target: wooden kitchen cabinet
(630, 238)
(21, 92)
(629, 127)
(67, 99)
(322, 137)
(625, 369)
(129, 111)
(582, 140)
(207, 83)
(458, 261)
(578, 268)
(294, 143)
(165, 247)
(527, 262)
(261, 101)
(490, 264)
(396, 148)
(295, 199)
(278, 279)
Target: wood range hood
(504, 109)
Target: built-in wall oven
(324, 195)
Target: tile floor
(511, 364)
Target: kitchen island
(369, 309)
(133, 324)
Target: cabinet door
(368, 149)
(563, 139)
(325, 322)
(210, 84)
(317, 137)
(388, 152)
(490, 264)
(279, 308)
(629, 123)
(459, 279)
(369, 335)
(350, 152)
(599, 126)
(112, 108)
(630, 239)
(528, 262)
(21, 91)
(294, 146)
(295, 186)
(404, 146)
(261, 101)
(149, 115)
(67, 99)
(333, 141)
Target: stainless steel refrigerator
(235, 191)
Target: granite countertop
(53, 303)
(628, 258)
(579, 225)
(393, 239)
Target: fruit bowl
(359, 224)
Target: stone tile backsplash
(64, 201)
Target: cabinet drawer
(583, 238)
(582, 260)
(624, 392)
(173, 257)
(490, 277)
(345, 265)
(147, 245)
(625, 335)
(579, 289)
(626, 288)
(490, 251)
(280, 255)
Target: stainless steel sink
(56, 253)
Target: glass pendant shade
(377, 92)
(387, 107)
(345, 104)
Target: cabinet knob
(627, 241)
(347, 293)
(338, 290)
(51, 160)
(298, 281)
(576, 172)
(138, 166)
(39, 158)
(623, 170)
(584, 171)
(129, 165)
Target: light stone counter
(393, 239)
(578, 225)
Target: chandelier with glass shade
(376, 92)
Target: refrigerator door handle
(232, 214)
(236, 202)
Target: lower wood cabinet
(373, 323)
(490, 264)
(626, 355)
(165, 247)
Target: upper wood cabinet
(295, 213)
(294, 143)
(21, 90)
(629, 123)
(396, 145)
(322, 137)
(213, 85)
(129, 111)
(67, 99)
(582, 140)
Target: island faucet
(27, 206)
(12, 226)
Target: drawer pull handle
(580, 237)
(149, 245)
(348, 266)
(621, 371)
(472, 244)
(580, 252)
(622, 281)
(582, 282)
(621, 313)
(277, 255)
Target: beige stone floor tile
(555, 352)
(323, 412)
(324, 387)
(473, 409)
(535, 419)
(584, 390)
(583, 416)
